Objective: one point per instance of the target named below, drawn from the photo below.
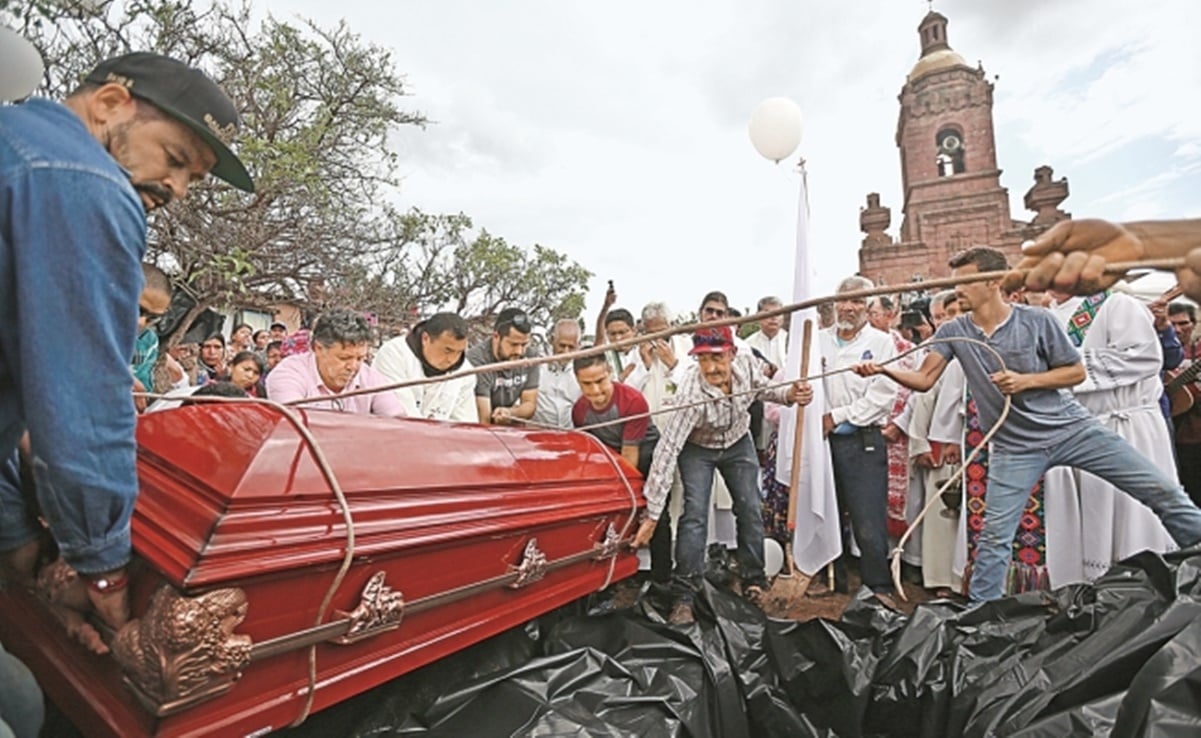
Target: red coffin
(460, 532)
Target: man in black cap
(77, 180)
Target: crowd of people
(688, 412)
(1083, 420)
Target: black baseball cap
(187, 95)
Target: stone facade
(949, 173)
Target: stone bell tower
(953, 196)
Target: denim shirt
(72, 238)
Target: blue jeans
(1094, 449)
(21, 708)
(17, 525)
(739, 467)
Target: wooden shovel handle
(794, 476)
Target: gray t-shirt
(1030, 341)
(504, 386)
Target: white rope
(310, 442)
(931, 284)
(895, 554)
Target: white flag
(818, 538)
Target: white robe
(938, 416)
(1091, 524)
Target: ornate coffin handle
(532, 568)
(609, 545)
(380, 609)
(183, 650)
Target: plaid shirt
(717, 424)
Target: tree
(440, 262)
(317, 108)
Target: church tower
(951, 183)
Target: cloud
(616, 132)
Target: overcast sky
(617, 132)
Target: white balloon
(20, 66)
(773, 557)
(776, 127)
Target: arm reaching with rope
(919, 380)
(1072, 255)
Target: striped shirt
(717, 424)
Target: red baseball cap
(712, 341)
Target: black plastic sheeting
(1119, 657)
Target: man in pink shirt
(335, 366)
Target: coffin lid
(232, 490)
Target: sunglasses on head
(520, 321)
(150, 317)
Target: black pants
(861, 480)
(660, 547)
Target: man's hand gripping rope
(1006, 384)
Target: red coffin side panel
(232, 498)
(232, 491)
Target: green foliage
(440, 262)
(317, 105)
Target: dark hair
(514, 318)
(249, 356)
(240, 326)
(214, 336)
(1176, 308)
(583, 362)
(277, 324)
(279, 345)
(620, 315)
(733, 312)
(716, 296)
(340, 325)
(440, 323)
(986, 259)
(216, 389)
(255, 336)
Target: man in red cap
(78, 179)
(711, 432)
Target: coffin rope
(895, 554)
(322, 462)
(319, 458)
(1115, 268)
(327, 471)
